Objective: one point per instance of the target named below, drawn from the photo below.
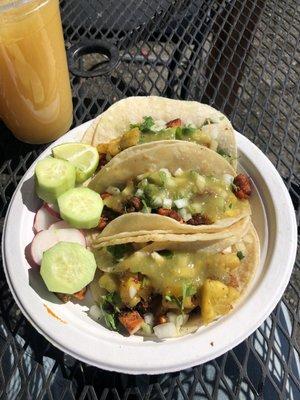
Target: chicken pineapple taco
(138, 120)
(170, 187)
(168, 289)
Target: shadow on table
(73, 378)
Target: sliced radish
(43, 219)
(70, 235)
(60, 225)
(53, 209)
(44, 240)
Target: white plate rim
(138, 362)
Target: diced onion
(113, 190)
(166, 171)
(178, 172)
(185, 214)
(139, 192)
(132, 291)
(212, 130)
(227, 250)
(180, 203)
(166, 330)
(228, 179)
(95, 312)
(158, 125)
(167, 203)
(181, 320)
(149, 319)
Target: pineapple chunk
(102, 148)
(114, 147)
(130, 138)
(216, 299)
(108, 282)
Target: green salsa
(188, 193)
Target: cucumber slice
(81, 207)
(53, 177)
(67, 267)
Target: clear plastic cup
(35, 92)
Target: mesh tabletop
(240, 56)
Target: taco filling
(146, 288)
(188, 197)
(150, 130)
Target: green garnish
(110, 309)
(146, 208)
(118, 251)
(145, 126)
(182, 131)
(187, 291)
(166, 253)
(175, 300)
(240, 255)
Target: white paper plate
(69, 328)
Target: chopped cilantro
(110, 320)
(145, 126)
(182, 131)
(240, 255)
(118, 251)
(175, 300)
(146, 208)
(110, 309)
(166, 253)
(187, 291)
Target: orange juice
(35, 93)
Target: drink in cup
(35, 93)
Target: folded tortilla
(151, 157)
(115, 121)
(216, 296)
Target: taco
(138, 120)
(167, 289)
(176, 187)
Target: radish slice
(60, 225)
(53, 209)
(44, 240)
(43, 219)
(70, 235)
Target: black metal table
(241, 56)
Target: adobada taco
(138, 120)
(176, 187)
(169, 289)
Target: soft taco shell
(247, 241)
(139, 236)
(115, 121)
(176, 154)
